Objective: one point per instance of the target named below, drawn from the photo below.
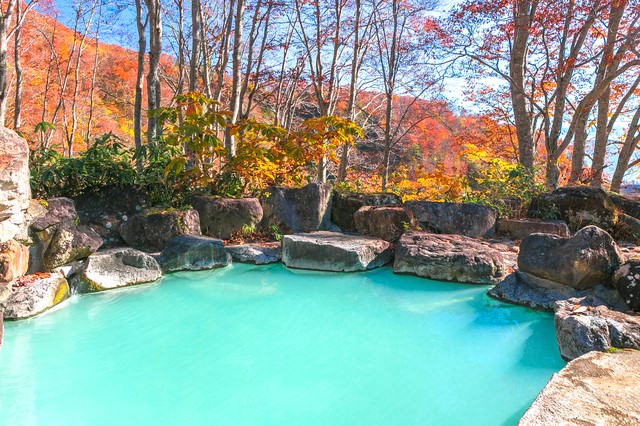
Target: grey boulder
(583, 261)
(346, 204)
(520, 228)
(152, 229)
(627, 281)
(582, 328)
(193, 253)
(471, 220)
(333, 251)
(386, 222)
(116, 268)
(305, 209)
(224, 217)
(448, 258)
(15, 190)
(70, 243)
(258, 254)
(34, 294)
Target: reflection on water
(266, 345)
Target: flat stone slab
(334, 251)
(595, 389)
(448, 258)
(256, 254)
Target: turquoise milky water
(248, 345)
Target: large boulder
(14, 260)
(448, 258)
(152, 229)
(303, 209)
(583, 261)
(520, 288)
(595, 389)
(70, 243)
(106, 210)
(193, 253)
(59, 210)
(626, 205)
(520, 228)
(224, 217)
(627, 281)
(113, 268)
(581, 329)
(258, 254)
(385, 222)
(471, 220)
(579, 206)
(15, 189)
(333, 251)
(33, 294)
(346, 204)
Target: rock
(595, 389)
(627, 281)
(33, 294)
(346, 204)
(152, 229)
(193, 253)
(626, 205)
(583, 261)
(15, 189)
(14, 260)
(333, 251)
(520, 288)
(223, 217)
(581, 329)
(59, 210)
(579, 206)
(520, 228)
(471, 220)
(303, 209)
(448, 258)
(385, 222)
(627, 228)
(5, 292)
(113, 268)
(106, 210)
(257, 254)
(69, 243)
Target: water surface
(248, 345)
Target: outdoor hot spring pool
(248, 345)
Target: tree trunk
(230, 143)
(142, 47)
(5, 23)
(17, 63)
(154, 14)
(196, 40)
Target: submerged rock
(333, 251)
(115, 268)
(520, 228)
(223, 217)
(583, 261)
(152, 229)
(448, 258)
(471, 220)
(33, 294)
(585, 326)
(193, 253)
(385, 222)
(257, 254)
(346, 204)
(595, 389)
(520, 288)
(14, 260)
(305, 209)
